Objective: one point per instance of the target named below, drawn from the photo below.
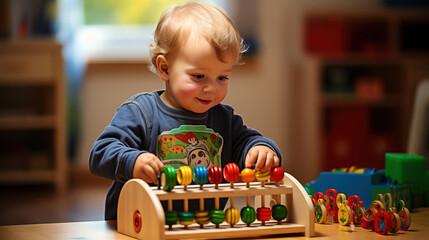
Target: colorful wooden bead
(247, 175)
(248, 215)
(262, 176)
(232, 216)
(217, 217)
(277, 174)
(332, 196)
(396, 220)
(184, 175)
(202, 217)
(215, 175)
(137, 222)
(382, 222)
(279, 212)
(200, 175)
(168, 178)
(368, 219)
(404, 215)
(170, 217)
(263, 214)
(186, 218)
(320, 211)
(231, 172)
(344, 211)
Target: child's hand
(147, 167)
(264, 157)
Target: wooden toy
(396, 221)
(382, 222)
(344, 211)
(263, 213)
(231, 174)
(184, 178)
(248, 213)
(200, 176)
(332, 206)
(279, 212)
(320, 211)
(140, 213)
(368, 219)
(356, 205)
(217, 216)
(404, 215)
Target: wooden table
(107, 230)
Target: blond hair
(179, 21)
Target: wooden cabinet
(362, 68)
(32, 113)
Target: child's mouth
(205, 102)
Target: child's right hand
(147, 167)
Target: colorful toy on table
(320, 211)
(279, 211)
(263, 213)
(231, 174)
(184, 178)
(331, 206)
(395, 222)
(356, 205)
(248, 213)
(168, 181)
(217, 216)
(344, 211)
(404, 215)
(200, 176)
(382, 222)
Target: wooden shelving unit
(32, 113)
(362, 67)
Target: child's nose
(209, 88)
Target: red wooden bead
(277, 174)
(263, 214)
(215, 174)
(231, 172)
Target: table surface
(107, 230)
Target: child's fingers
(251, 158)
(260, 162)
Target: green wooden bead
(217, 216)
(170, 217)
(279, 212)
(248, 215)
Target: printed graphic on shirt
(190, 145)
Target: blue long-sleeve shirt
(139, 121)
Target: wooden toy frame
(136, 195)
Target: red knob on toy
(277, 174)
(231, 172)
(215, 174)
(263, 214)
(318, 196)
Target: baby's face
(197, 79)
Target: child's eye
(223, 78)
(198, 76)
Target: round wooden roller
(232, 216)
(170, 217)
(262, 176)
(263, 214)
(217, 217)
(215, 175)
(279, 212)
(368, 219)
(247, 175)
(186, 218)
(248, 215)
(344, 211)
(231, 173)
(168, 178)
(277, 174)
(202, 217)
(200, 175)
(184, 176)
(404, 215)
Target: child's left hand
(264, 157)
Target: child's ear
(162, 67)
